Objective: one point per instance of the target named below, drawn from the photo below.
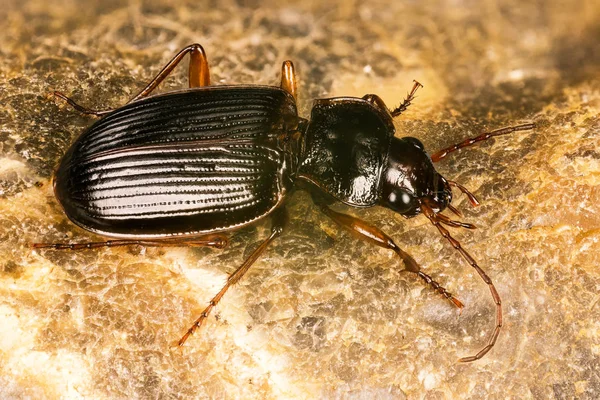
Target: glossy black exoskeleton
(182, 168)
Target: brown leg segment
(198, 76)
(198, 70)
(216, 241)
(371, 234)
(279, 220)
(411, 96)
(79, 108)
(436, 221)
(376, 101)
(288, 79)
(484, 136)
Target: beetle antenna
(411, 96)
(484, 136)
(435, 220)
(472, 199)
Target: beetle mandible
(183, 168)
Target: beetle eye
(401, 200)
(416, 142)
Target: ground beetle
(182, 168)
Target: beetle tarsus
(441, 290)
(80, 108)
(279, 221)
(409, 98)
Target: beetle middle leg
(279, 221)
(371, 234)
(288, 78)
(198, 75)
(407, 101)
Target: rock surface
(321, 315)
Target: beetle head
(411, 180)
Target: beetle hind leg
(279, 220)
(216, 241)
(198, 75)
(79, 108)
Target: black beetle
(182, 168)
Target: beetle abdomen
(182, 163)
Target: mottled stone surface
(321, 315)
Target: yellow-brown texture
(320, 316)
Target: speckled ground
(320, 316)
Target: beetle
(186, 167)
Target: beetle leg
(216, 241)
(377, 102)
(484, 136)
(411, 96)
(279, 220)
(198, 75)
(371, 234)
(80, 108)
(198, 70)
(288, 79)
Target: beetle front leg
(371, 234)
(379, 103)
(279, 221)
(198, 75)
